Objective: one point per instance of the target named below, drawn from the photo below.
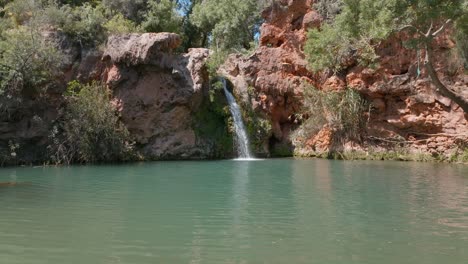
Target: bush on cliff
(162, 16)
(341, 111)
(118, 24)
(363, 24)
(230, 24)
(89, 23)
(90, 130)
(134, 10)
(28, 62)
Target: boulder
(158, 92)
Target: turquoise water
(271, 211)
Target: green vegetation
(222, 25)
(259, 129)
(28, 62)
(362, 25)
(212, 123)
(396, 154)
(162, 16)
(229, 24)
(90, 130)
(33, 33)
(343, 112)
(9, 154)
(226, 27)
(118, 24)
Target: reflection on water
(268, 211)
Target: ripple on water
(274, 211)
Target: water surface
(268, 211)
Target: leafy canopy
(230, 24)
(362, 24)
(162, 16)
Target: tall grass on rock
(342, 111)
(90, 131)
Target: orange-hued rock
(404, 105)
(321, 141)
(278, 68)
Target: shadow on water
(14, 184)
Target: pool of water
(266, 211)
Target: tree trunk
(440, 87)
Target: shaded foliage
(90, 130)
(342, 111)
(362, 24)
(162, 16)
(28, 62)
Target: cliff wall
(404, 108)
(162, 98)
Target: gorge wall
(160, 94)
(404, 109)
(166, 101)
(162, 98)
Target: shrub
(162, 17)
(328, 9)
(216, 59)
(118, 24)
(342, 111)
(86, 25)
(211, 123)
(28, 61)
(130, 9)
(90, 130)
(21, 11)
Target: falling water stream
(241, 139)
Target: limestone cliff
(162, 97)
(159, 94)
(405, 109)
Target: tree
(423, 24)
(227, 24)
(362, 24)
(162, 16)
(130, 9)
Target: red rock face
(404, 105)
(278, 67)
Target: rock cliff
(159, 93)
(405, 109)
(162, 96)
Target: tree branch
(441, 28)
(428, 34)
(440, 87)
(412, 27)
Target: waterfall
(241, 139)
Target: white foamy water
(241, 139)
